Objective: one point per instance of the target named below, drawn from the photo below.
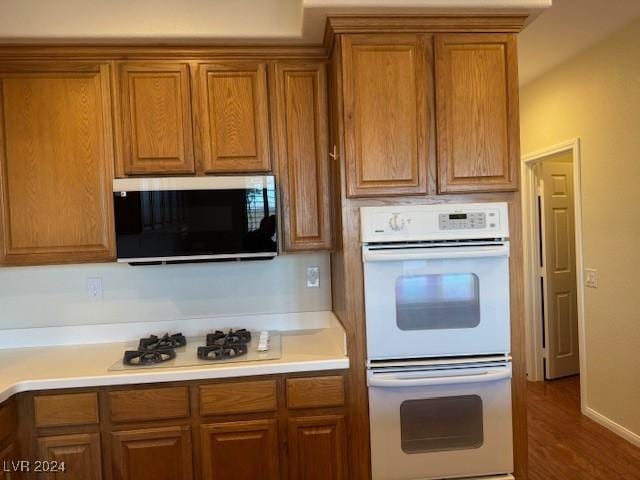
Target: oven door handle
(395, 381)
(378, 254)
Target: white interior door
(559, 264)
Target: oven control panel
(444, 221)
(463, 221)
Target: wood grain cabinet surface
(317, 447)
(80, 454)
(56, 163)
(243, 450)
(160, 453)
(303, 157)
(156, 121)
(233, 113)
(387, 85)
(66, 409)
(477, 111)
(7, 454)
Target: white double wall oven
(438, 340)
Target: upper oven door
(435, 301)
(195, 218)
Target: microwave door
(430, 302)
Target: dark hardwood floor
(566, 445)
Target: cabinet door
(477, 105)
(303, 160)
(6, 457)
(80, 454)
(240, 450)
(233, 114)
(56, 164)
(386, 83)
(317, 448)
(153, 453)
(156, 118)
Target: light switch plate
(591, 277)
(94, 288)
(313, 277)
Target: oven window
(441, 424)
(437, 302)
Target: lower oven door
(435, 424)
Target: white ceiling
(567, 28)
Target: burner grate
(148, 357)
(154, 342)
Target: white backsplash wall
(57, 295)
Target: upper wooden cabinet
(155, 102)
(387, 89)
(302, 151)
(233, 117)
(477, 111)
(56, 163)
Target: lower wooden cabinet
(243, 450)
(156, 453)
(272, 427)
(6, 456)
(317, 448)
(80, 454)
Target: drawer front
(244, 397)
(66, 409)
(149, 404)
(315, 392)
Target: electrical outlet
(313, 277)
(591, 277)
(94, 288)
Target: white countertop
(70, 366)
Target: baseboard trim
(613, 426)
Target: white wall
(199, 20)
(596, 97)
(57, 295)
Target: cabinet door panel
(476, 84)
(233, 112)
(153, 453)
(156, 118)
(56, 164)
(317, 448)
(80, 454)
(303, 160)
(7, 454)
(386, 85)
(240, 450)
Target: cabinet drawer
(315, 392)
(245, 397)
(67, 409)
(149, 404)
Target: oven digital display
(458, 216)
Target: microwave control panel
(464, 221)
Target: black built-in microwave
(193, 219)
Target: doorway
(553, 263)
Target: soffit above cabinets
(193, 21)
